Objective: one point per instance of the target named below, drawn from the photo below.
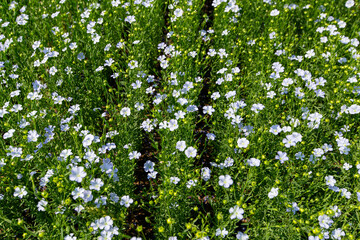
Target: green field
(180, 119)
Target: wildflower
(87, 196)
(191, 183)
(70, 237)
(149, 166)
(273, 193)
(174, 180)
(96, 184)
(253, 162)
(330, 181)
(242, 143)
(22, 19)
(152, 175)
(41, 205)
(105, 223)
(345, 193)
(130, 19)
(236, 212)
(81, 56)
(294, 208)
(181, 145)
(256, 107)
(173, 124)
(9, 134)
(77, 174)
(225, 181)
(78, 193)
(274, 12)
(134, 155)
(190, 152)
(221, 232)
(88, 140)
(20, 192)
(210, 136)
(205, 173)
(282, 156)
(349, 3)
(52, 71)
(133, 64)
(337, 234)
(126, 201)
(208, 110)
(178, 12)
(125, 112)
(275, 129)
(242, 236)
(325, 221)
(337, 212)
(14, 152)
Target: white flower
(190, 152)
(173, 124)
(256, 107)
(191, 183)
(236, 212)
(210, 136)
(349, 3)
(81, 56)
(253, 162)
(88, 140)
(77, 174)
(134, 155)
(87, 196)
(330, 181)
(353, 109)
(174, 180)
(22, 19)
(96, 184)
(78, 193)
(242, 143)
(178, 12)
(242, 236)
(205, 173)
(149, 166)
(337, 234)
(41, 205)
(126, 201)
(130, 19)
(325, 221)
(275, 129)
(52, 70)
(9, 134)
(273, 193)
(133, 64)
(282, 156)
(125, 112)
(20, 192)
(274, 12)
(70, 237)
(222, 233)
(105, 223)
(208, 110)
(181, 145)
(225, 181)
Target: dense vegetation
(179, 119)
